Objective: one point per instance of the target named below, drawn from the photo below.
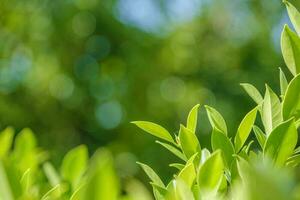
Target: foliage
(25, 173)
(234, 169)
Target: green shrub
(235, 168)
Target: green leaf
(211, 172)
(283, 82)
(51, 174)
(244, 129)
(294, 16)
(188, 174)
(173, 150)
(74, 165)
(155, 130)
(291, 101)
(5, 190)
(177, 166)
(221, 141)
(6, 139)
(216, 120)
(281, 142)
(271, 110)
(260, 136)
(290, 47)
(189, 142)
(183, 191)
(252, 92)
(152, 175)
(102, 181)
(192, 118)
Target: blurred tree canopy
(78, 71)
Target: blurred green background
(78, 71)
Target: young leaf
(216, 120)
(102, 181)
(260, 136)
(6, 139)
(189, 142)
(74, 164)
(283, 82)
(155, 130)
(221, 141)
(271, 110)
(192, 118)
(174, 150)
(152, 175)
(211, 172)
(51, 174)
(291, 101)
(294, 16)
(293, 161)
(183, 191)
(244, 129)
(290, 47)
(187, 174)
(177, 166)
(252, 92)
(281, 142)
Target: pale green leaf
(260, 136)
(244, 129)
(192, 118)
(291, 101)
(252, 92)
(189, 142)
(152, 175)
(283, 82)
(74, 165)
(173, 150)
(281, 142)
(271, 110)
(51, 174)
(290, 47)
(216, 120)
(155, 130)
(221, 141)
(183, 191)
(188, 174)
(211, 172)
(294, 16)
(177, 166)
(102, 181)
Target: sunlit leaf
(290, 47)
(211, 172)
(294, 16)
(283, 82)
(189, 142)
(74, 164)
(192, 118)
(152, 175)
(281, 142)
(252, 92)
(173, 149)
(260, 136)
(271, 110)
(216, 120)
(155, 130)
(291, 101)
(244, 129)
(221, 141)
(5, 190)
